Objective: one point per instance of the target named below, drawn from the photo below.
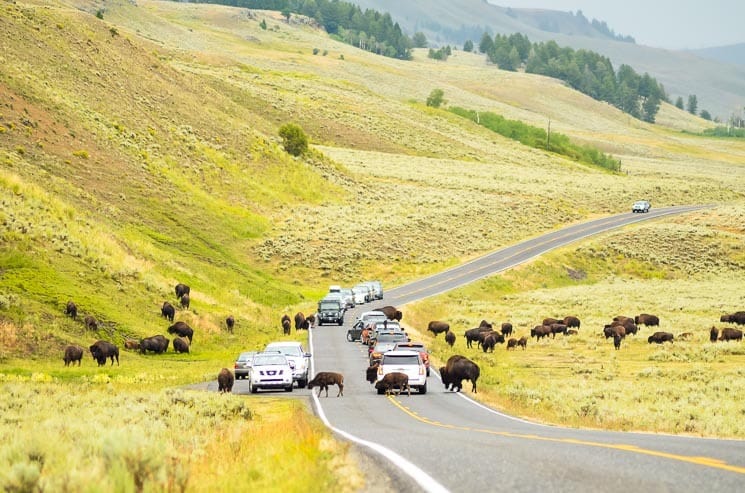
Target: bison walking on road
(72, 354)
(395, 380)
(323, 379)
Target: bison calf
(225, 381)
(395, 380)
(323, 379)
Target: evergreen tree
(419, 40)
(692, 104)
(468, 46)
(679, 103)
(487, 44)
(705, 115)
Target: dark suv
(331, 311)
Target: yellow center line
(701, 461)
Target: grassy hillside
(140, 150)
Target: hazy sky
(676, 24)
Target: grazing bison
(713, 334)
(511, 344)
(167, 311)
(371, 374)
(90, 322)
(457, 369)
(614, 330)
(473, 334)
(180, 345)
(571, 322)
(629, 326)
(437, 327)
(225, 381)
(491, 340)
(617, 338)
(394, 380)
(182, 329)
(660, 338)
(132, 345)
(391, 312)
(506, 328)
(182, 289)
(450, 338)
(157, 344)
(647, 320)
(185, 301)
(729, 334)
(230, 323)
(523, 341)
(323, 379)
(73, 354)
(549, 321)
(299, 321)
(540, 331)
(734, 318)
(100, 350)
(71, 310)
(558, 329)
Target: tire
(427, 371)
(254, 389)
(349, 336)
(301, 384)
(423, 389)
(288, 389)
(381, 391)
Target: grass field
(141, 150)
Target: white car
(407, 362)
(298, 358)
(360, 294)
(270, 370)
(368, 318)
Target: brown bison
(474, 334)
(230, 323)
(548, 321)
(391, 381)
(437, 327)
(523, 342)
(491, 340)
(182, 329)
(571, 322)
(572, 332)
(225, 381)
(71, 310)
(132, 345)
(185, 301)
(182, 289)
(90, 322)
(660, 338)
(511, 344)
(180, 345)
(734, 318)
(157, 344)
(450, 338)
(614, 330)
(647, 320)
(286, 325)
(629, 325)
(100, 350)
(485, 325)
(617, 338)
(73, 354)
(540, 331)
(457, 369)
(506, 328)
(729, 334)
(558, 329)
(371, 374)
(323, 379)
(167, 311)
(713, 334)
(299, 321)
(391, 312)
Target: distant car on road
(641, 206)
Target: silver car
(270, 370)
(243, 364)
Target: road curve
(444, 441)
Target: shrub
(435, 98)
(294, 139)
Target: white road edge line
(427, 482)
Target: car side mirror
(307, 355)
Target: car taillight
(421, 370)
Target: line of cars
(278, 366)
(333, 306)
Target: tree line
(586, 71)
(370, 30)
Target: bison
(571, 322)
(371, 374)
(180, 345)
(473, 334)
(391, 312)
(506, 328)
(100, 350)
(132, 345)
(230, 323)
(185, 301)
(486, 325)
(90, 322)
(558, 329)
(323, 379)
(450, 338)
(437, 327)
(511, 344)
(523, 342)
(182, 329)
(617, 338)
(71, 310)
(540, 331)
(299, 321)
(181, 290)
(647, 320)
(729, 334)
(457, 369)
(734, 318)
(614, 330)
(157, 344)
(72, 354)
(660, 338)
(491, 340)
(394, 380)
(167, 311)
(572, 332)
(713, 334)
(225, 381)
(286, 325)
(548, 321)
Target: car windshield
(397, 359)
(329, 305)
(288, 350)
(270, 359)
(246, 356)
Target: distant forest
(586, 71)
(369, 30)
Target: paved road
(444, 441)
